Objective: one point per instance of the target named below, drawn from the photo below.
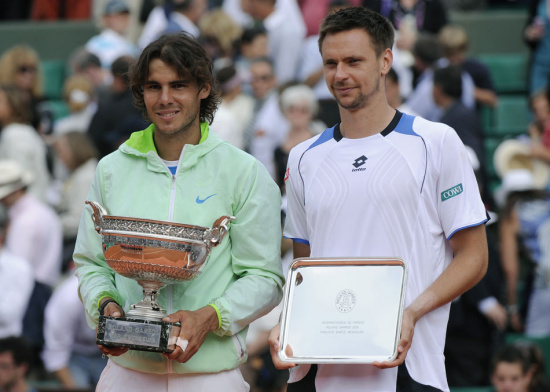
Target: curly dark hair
(378, 27)
(183, 52)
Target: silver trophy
(154, 253)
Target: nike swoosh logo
(200, 201)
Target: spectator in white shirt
(172, 16)
(35, 229)
(111, 43)
(17, 281)
(35, 235)
(70, 352)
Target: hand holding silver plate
(342, 310)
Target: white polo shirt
(400, 193)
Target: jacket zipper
(169, 288)
(169, 369)
(172, 199)
(237, 337)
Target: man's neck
(365, 122)
(169, 147)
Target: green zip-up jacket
(242, 278)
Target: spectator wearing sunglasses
(20, 65)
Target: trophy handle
(97, 214)
(219, 229)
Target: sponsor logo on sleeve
(452, 192)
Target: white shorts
(116, 378)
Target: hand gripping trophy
(154, 253)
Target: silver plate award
(342, 310)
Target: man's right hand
(113, 310)
(273, 341)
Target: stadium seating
(508, 70)
(53, 76)
(509, 118)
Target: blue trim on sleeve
(405, 126)
(299, 240)
(467, 227)
(325, 137)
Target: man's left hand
(407, 332)
(195, 326)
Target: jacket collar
(141, 144)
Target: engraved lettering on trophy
(132, 333)
(333, 327)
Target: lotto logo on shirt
(451, 192)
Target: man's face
(172, 101)
(263, 79)
(25, 76)
(299, 114)
(117, 22)
(353, 72)
(257, 48)
(509, 377)
(10, 373)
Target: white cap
(13, 177)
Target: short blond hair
(221, 26)
(453, 40)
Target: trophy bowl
(153, 253)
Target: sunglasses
(26, 69)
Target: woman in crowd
(524, 228)
(19, 141)
(219, 34)
(79, 155)
(20, 66)
(299, 105)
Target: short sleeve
(295, 223)
(458, 197)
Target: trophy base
(137, 334)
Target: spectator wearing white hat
(35, 235)
(35, 230)
(525, 224)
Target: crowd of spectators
(274, 96)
